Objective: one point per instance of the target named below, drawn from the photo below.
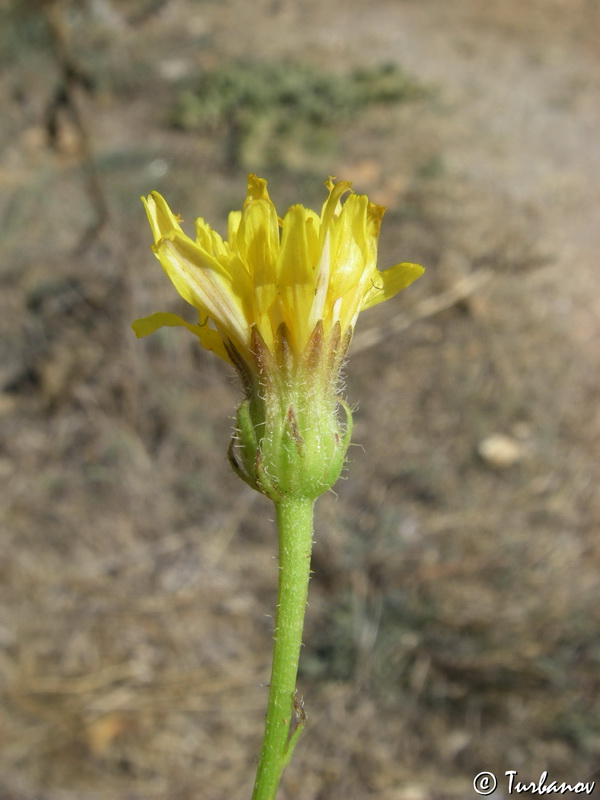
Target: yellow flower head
(279, 300)
(273, 279)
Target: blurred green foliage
(279, 115)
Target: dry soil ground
(454, 616)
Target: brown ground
(454, 616)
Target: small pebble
(500, 451)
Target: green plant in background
(274, 114)
(279, 300)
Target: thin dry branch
(73, 80)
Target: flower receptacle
(291, 440)
(289, 447)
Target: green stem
(295, 523)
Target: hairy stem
(285, 718)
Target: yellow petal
(295, 260)
(203, 283)
(161, 218)
(323, 273)
(203, 235)
(388, 283)
(312, 225)
(147, 325)
(233, 224)
(257, 190)
(374, 216)
(257, 244)
(332, 205)
(349, 246)
(258, 239)
(209, 338)
(258, 231)
(211, 241)
(296, 276)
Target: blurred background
(453, 619)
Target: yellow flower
(279, 300)
(274, 279)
